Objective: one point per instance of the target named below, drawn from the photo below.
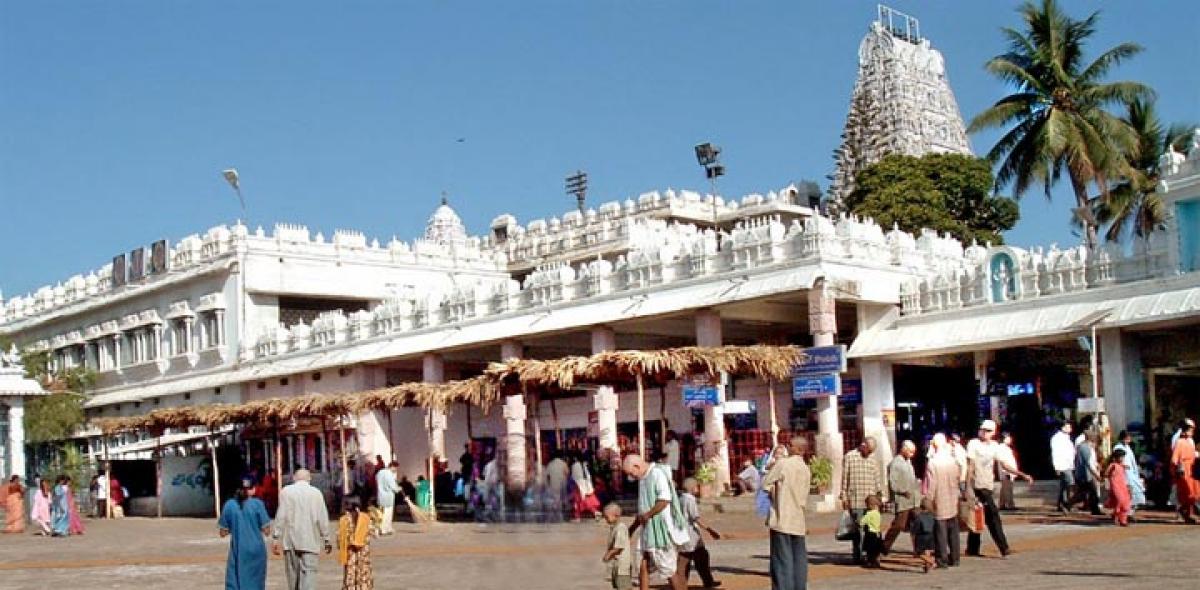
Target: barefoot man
(660, 518)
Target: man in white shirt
(671, 450)
(1062, 457)
(386, 488)
(301, 530)
(983, 460)
(101, 496)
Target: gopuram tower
(902, 102)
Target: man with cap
(983, 460)
(301, 531)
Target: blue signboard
(699, 392)
(819, 360)
(815, 386)
(851, 391)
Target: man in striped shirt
(860, 479)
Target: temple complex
(938, 334)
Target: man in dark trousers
(983, 460)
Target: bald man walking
(906, 492)
(301, 531)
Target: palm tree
(1133, 204)
(1057, 119)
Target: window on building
(180, 341)
(211, 333)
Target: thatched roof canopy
(625, 366)
(619, 367)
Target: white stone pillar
(822, 324)
(1122, 381)
(219, 326)
(373, 437)
(879, 398)
(116, 351)
(16, 436)
(433, 370)
(708, 333)
(189, 344)
(605, 401)
(514, 443)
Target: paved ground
(1053, 552)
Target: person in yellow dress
(354, 548)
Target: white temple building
(939, 334)
(239, 315)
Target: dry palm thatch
(625, 366)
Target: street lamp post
(231, 176)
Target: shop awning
(1033, 321)
(167, 440)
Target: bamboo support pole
(216, 472)
(278, 464)
(641, 408)
(345, 464)
(558, 441)
(432, 468)
(774, 419)
(108, 511)
(158, 474)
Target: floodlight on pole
(231, 176)
(577, 185)
(708, 156)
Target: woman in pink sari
(14, 504)
(1119, 499)
(40, 515)
(75, 526)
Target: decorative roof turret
(444, 226)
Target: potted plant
(706, 476)
(822, 474)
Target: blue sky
(117, 117)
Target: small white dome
(445, 227)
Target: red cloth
(1182, 459)
(115, 493)
(1119, 499)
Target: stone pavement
(1052, 552)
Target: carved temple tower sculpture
(902, 102)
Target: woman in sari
(1133, 472)
(75, 522)
(40, 514)
(354, 548)
(1182, 459)
(60, 520)
(1118, 489)
(245, 519)
(14, 503)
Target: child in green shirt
(871, 524)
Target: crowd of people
(962, 488)
(53, 508)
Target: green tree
(946, 192)
(1056, 118)
(1134, 205)
(55, 417)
